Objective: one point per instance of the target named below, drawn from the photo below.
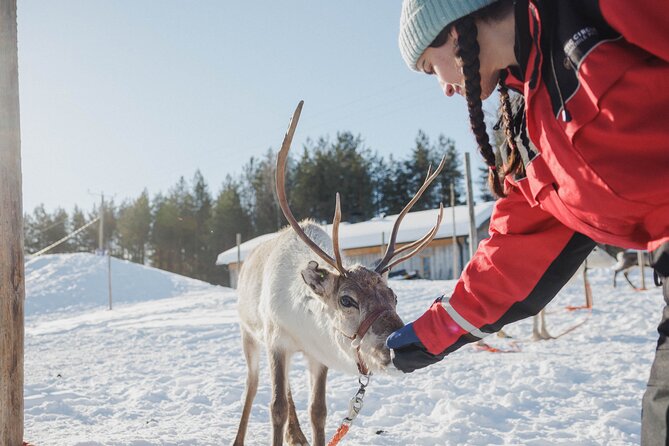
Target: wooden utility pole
(12, 286)
(473, 238)
(640, 256)
(101, 231)
(239, 258)
(109, 277)
(456, 257)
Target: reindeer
(338, 315)
(626, 260)
(600, 257)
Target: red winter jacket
(595, 77)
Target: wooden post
(109, 276)
(12, 285)
(586, 284)
(456, 257)
(239, 259)
(101, 231)
(383, 244)
(473, 239)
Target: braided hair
(514, 163)
(467, 51)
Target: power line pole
(12, 282)
(102, 249)
(101, 232)
(456, 263)
(109, 278)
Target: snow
(371, 233)
(165, 367)
(70, 282)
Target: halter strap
(369, 320)
(362, 330)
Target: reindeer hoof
(502, 334)
(541, 337)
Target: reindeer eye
(347, 302)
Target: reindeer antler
(385, 264)
(283, 201)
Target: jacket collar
(523, 39)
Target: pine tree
(82, 242)
(185, 244)
(30, 234)
(395, 187)
(352, 161)
(43, 229)
(406, 177)
(451, 173)
(165, 253)
(485, 194)
(260, 196)
(204, 255)
(134, 224)
(228, 218)
(110, 237)
(343, 166)
(379, 172)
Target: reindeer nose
(395, 322)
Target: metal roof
(369, 233)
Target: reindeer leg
(544, 331)
(252, 354)
(627, 277)
(294, 435)
(539, 331)
(536, 336)
(279, 404)
(317, 407)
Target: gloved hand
(407, 352)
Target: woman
(587, 157)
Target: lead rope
(354, 408)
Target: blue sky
(118, 96)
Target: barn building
(365, 242)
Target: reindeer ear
(321, 281)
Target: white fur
(278, 308)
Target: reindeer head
(362, 311)
(361, 305)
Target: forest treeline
(184, 229)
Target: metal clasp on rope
(354, 408)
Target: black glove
(407, 352)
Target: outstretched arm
(513, 275)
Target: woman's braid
(514, 160)
(467, 50)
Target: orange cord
(343, 429)
(515, 348)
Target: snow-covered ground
(165, 367)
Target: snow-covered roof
(369, 233)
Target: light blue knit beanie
(422, 21)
